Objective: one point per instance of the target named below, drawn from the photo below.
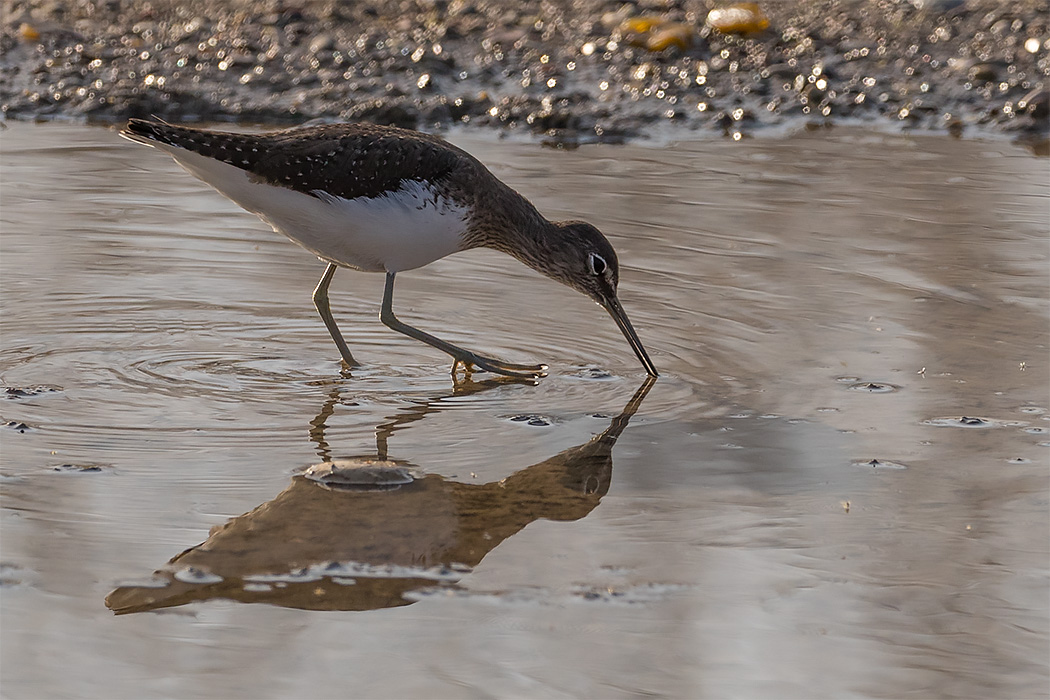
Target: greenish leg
(325, 309)
(467, 357)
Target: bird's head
(584, 259)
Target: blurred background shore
(569, 70)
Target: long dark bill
(620, 316)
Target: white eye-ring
(598, 265)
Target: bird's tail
(151, 132)
(239, 150)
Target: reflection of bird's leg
(468, 370)
(408, 415)
(320, 423)
(464, 387)
(412, 413)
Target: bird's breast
(401, 229)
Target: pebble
(983, 71)
(28, 32)
(1036, 103)
(741, 18)
(322, 42)
(679, 36)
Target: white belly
(400, 230)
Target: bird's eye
(597, 263)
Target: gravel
(570, 70)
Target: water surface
(837, 487)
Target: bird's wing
(338, 160)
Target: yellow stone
(641, 25)
(28, 32)
(679, 36)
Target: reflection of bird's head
(589, 466)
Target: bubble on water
(847, 379)
(192, 574)
(878, 464)
(300, 575)
(533, 419)
(257, 588)
(347, 572)
(24, 392)
(359, 475)
(14, 575)
(1019, 460)
(645, 593)
(1032, 409)
(79, 468)
(594, 373)
(970, 422)
(827, 409)
(152, 582)
(873, 387)
(1035, 430)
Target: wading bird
(384, 199)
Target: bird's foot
(468, 369)
(488, 364)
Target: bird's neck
(509, 223)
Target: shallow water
(838, 486)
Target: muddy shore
(570, 71)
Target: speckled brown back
(343, 160)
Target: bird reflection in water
(360, 534)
